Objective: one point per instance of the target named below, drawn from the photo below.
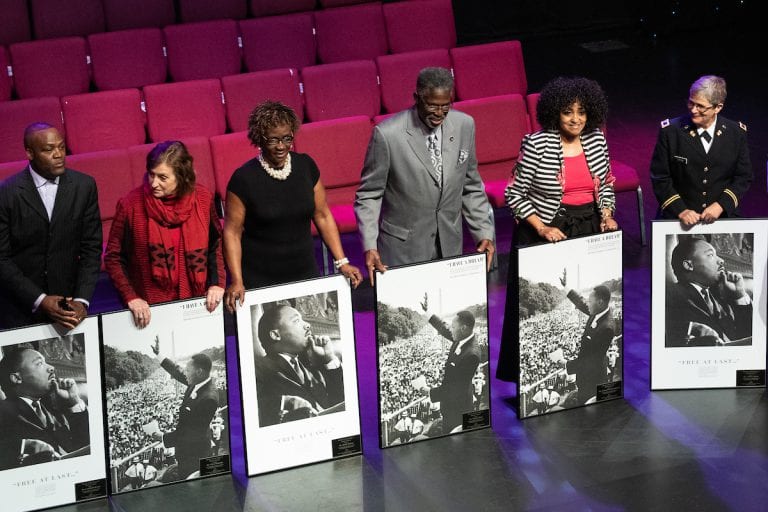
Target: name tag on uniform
(680, 159)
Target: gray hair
(711, 87)
(432, 79)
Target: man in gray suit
(419, 177)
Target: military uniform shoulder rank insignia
(742, 126)
(665, 123)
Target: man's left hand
(487, 247)
(711, 213)
(732, 285)
(66, 392)
(323, 348)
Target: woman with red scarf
(165, 241)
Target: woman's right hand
(234, 296)
(551, 234)
(141, 312)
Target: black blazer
(684, 176)
(191, 437)
(589, 365)
(65, 432)
(455, 392)
(60, 257)
(276, 379)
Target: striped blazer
(534, 186)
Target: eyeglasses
(274, 141)
(433, 109)
(699, 108)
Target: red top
(578, 187)
(127, 255)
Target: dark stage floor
(674, 450)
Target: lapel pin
(719, 133)
(692, 133)
(450, 138)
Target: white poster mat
(53, 483)
(294, 443)
(677, 367)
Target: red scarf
(178, 212)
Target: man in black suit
(191, 438)
(708, 306)
(301, 376)
(42, 418)
(50, 237)
(455, 392)
(700, 168)
(589, 365)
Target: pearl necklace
(278, 174)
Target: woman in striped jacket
(561, 185)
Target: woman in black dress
(270, 202)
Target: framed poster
(51, 426)
(570, 327)
(166, 396)
(708, 304)
(432, 358)
(296, 344)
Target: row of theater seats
(114, 119)
(213, 49)
(491, 86)
(23, 20)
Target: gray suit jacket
(400, 207)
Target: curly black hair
(561, 92)
(269, 114)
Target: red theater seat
(198, 147)
(338, 147)
(343, 89)
(62, 18)
(6, 82)
(123, 15)
(489, 70)
(339, 3)
(53, 67)
(16, 115)
(413, 26)
(500, 124)
(398, 73)
(271, 7)
(112, 171)
(243, 92)
(184, 109)
(14, 22)
(128, 58)
(229, 152)
(207, 49)
(103, 120)
(290, 39)
(202, 10)
(8, 169)
(350, 33)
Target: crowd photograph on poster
(166, 396)
(432, 337)
(570, 324)
(298, 374)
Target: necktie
(39, 412)
(436, 156)
(706, 136)
(297, 369)
(49, 196)
(710, 303)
